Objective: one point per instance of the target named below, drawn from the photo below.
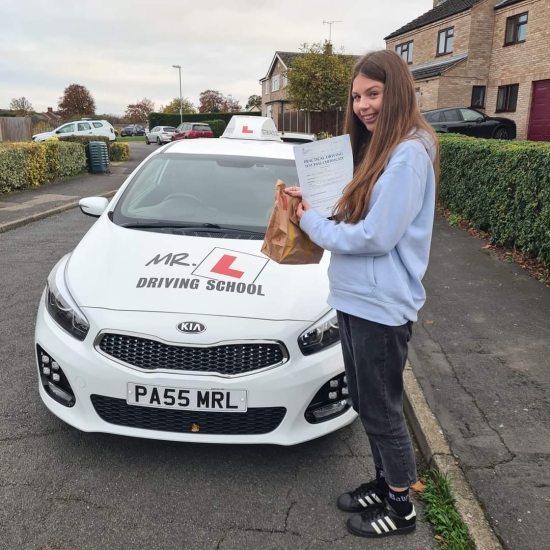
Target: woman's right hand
(294, 192)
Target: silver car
(160, 135)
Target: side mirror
(481, 119)
(57, 132)
(93, 206)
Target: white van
(80, 128)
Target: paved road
(481, 356)
(61, 489)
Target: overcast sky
(123, 50)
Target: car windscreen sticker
(231, 266)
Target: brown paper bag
(285, 242)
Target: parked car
(470, 122)
(193, 130)
(160, 135)
(133, 130)
(167, 322)
(297, 137)
(80, 128)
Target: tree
(76, 101)
(254, 101)
(211, 101)
(173, 108)
(22, 106)
(138, 112)
(230, 104)
(318, 80)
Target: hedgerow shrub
(119, 152)
(218, 126)
(502, 187)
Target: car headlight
(61, 305)
(323, 334)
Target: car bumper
(291, 386)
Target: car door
(66, 130)
(452, 121)
(153, 134)
(435, 120)
(475, 124)
(83, 129)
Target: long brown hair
(398, 116)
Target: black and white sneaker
(361, 499)
(381, 522)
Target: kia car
(167, 322)
(470, 122)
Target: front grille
(253, 422)
(226, 359)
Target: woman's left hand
(304, 206)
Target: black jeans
(374, 359)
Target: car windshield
(176, 189)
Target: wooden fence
(298, 121)
(15, 128)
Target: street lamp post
(181, 111)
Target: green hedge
(163, 119)
(85, 139)
(502, 187)
(218, 126)
(24, 165)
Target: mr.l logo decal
(228, 265)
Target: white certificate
(324, 167)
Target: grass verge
(131, 138)
(451, 533)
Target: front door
(539, 124)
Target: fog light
(55, 384)
(329, 402)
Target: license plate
(186, 399)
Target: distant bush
(165, 119)
(85, 139)
(218, 126)
(119, 152)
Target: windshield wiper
(191, 226)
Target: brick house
(487, 54)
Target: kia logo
(191, 327)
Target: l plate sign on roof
(258, 128)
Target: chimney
(328, 48)
(50, 110)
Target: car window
(469, 115)
(202, 128)
(168, 129)
(451, 115)
(434, 117)
(83, 126)
(66, 129)
(97, 124)
(154, 129)
(225, 190)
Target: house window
(266, 87)
(445, 41)
(516, 29)
(405, 51)
(285, 81)
(275, 84)
(507, 98)
(269, 111)
(478, 97)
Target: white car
(160, 135)
(167, 322)
(86, 128)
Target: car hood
(134, 270)
(43, 134)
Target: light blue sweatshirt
(377, 265)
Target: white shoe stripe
(383, 525)
(363, 503)
(369, 500)
(390, 523)
(376, 528)
(377, 499)
(412, 514)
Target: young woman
(380, 238)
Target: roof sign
(257, 128)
